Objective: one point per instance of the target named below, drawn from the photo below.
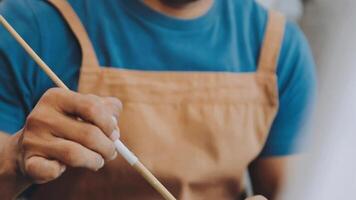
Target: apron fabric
(196, 131)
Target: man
(198, 82)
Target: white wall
(328, 172)
(293, 9)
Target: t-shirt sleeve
(297, 83)
(17, 70)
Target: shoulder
(295, 72)
(297, 91)
(17, 12)
(35, 22)
(251, 18)
(23, 8)
(38, 22)
(296, 59)
(255, 17)
(17, 70)
(20, 15)
(24, 16)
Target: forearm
(268, 175)
(11, 179)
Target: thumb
(259, 197)
(42, 170)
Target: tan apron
(196, 131)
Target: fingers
(91, 108)
(85, 134)
(68, 129)
(74, 155)
(94, 110)
(42, 170)
(259, 197)
(114, 104)
(67, 152)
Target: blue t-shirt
(128, 34)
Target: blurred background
(327, 169)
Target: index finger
(90, 108)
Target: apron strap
(272, 43)
(89, 59)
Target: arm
(269, 170)
(13, 105)
(52, 139)
(11, 181)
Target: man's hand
(259, 197)
(65, 129)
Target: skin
(53, 138)
(259, 197)
(268, 175)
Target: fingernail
(63, 168)
(113, 156)
(102, 162)
(115, 135)
(114, 119)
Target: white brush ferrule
(125, 152)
